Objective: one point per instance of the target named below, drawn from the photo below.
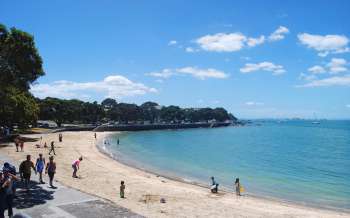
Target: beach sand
(101, 176)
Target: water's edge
(102, 149)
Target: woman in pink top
(75, 167)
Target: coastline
(223, 189)
(144, 189)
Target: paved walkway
(62, 202)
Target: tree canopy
(20, 66)
(69, 111)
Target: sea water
(295, 161)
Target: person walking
(21, 144)
(25, 170)
(40, 165)
(17, 143)
(51, 170)
(75, 167)
(60, 137)
(52, 148)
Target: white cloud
(165, 73)
(337, 65)
(325, 44)
(203, 73)
(222, 42)
(307, 77)
(263, 66)
(114, 86)
(231, 42)
(252, 103)
(193, 71)
(316, 69)
(255, 41)
(190, 50)
(331, 81)
(172, 42)
(279, 34)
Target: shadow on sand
(35, 196)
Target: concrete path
(62, 202)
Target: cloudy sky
(259, 60)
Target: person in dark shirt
(9, 193)
(25, 170)
(4, 183)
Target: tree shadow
(35, 196)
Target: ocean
(295, 161)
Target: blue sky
(258, 59)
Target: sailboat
(315, 120)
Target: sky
(257, 59)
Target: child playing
(122, 188)
(75, 167)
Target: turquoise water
(294, 160)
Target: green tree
(17, 108)
(150, 111)
(20, 66)
(20, 62)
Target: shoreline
(223, 188)
(101, 175)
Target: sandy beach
(101, 176)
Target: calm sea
(293, 160)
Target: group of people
(9, 180)
(214, 187)
(25, 170)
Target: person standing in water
(237, 187)
(75, 167)
(52, 148)
(95, 135)
(40, 165)
(118, 141)
(122, 189)
(51, 170)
